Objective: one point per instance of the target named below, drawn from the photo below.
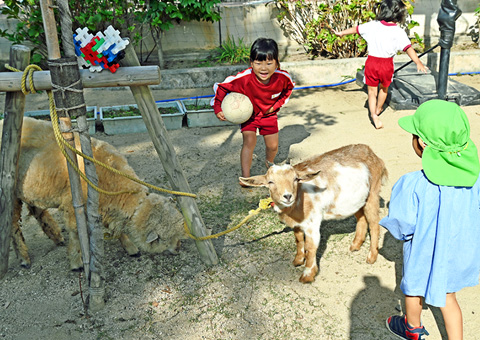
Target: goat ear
(308, 176)
(152, 236)
(254, 181)
(286, 161)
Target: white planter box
(45, 115)
(135, 124)
(201, 117)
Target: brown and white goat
(140, 219)
(334, 185)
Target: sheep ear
(254, 181)
(152, 236)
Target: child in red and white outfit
(384, 39)
(268, 88)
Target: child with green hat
(436, 212)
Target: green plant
(312, 24)
(130, 111)
(194, 107)
(232, 52)
(128, 16)
(475, 28)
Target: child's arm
(413, 55)
(283, 98)
(351, 30)
(220, 93)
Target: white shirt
(384, 39)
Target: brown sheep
(334, 185)
(142, 220)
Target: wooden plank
(156, 129)
(10, 151)
(125, 76)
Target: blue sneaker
(399, 326)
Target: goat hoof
(137, 254)
(371, 258)
(298, 262)
(307, 279)
(309, 274)
(77, 270)
(355, 247)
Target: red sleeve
(282, 99)
(220, 94)
(230, 84)
(286, 92)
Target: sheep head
(158, 225)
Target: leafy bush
(311, 24)
(233, 53)
(127, 16)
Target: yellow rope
(264, 204)
(62, 142)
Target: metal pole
(448, 13)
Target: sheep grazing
(334, 185)
(140, 220)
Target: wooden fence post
(11, 135)
(158, 133)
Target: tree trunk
(158, 41)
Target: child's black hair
(392, 10)
(264, 49)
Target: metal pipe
(411, 61)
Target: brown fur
(322, 188)
(151, 221)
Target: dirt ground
(253, 292)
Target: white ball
(237, 108)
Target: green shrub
(234, 53)
(311, 24)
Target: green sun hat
(450, 157)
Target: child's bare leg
(413, 306)
(382, 96)
(452, 315)
(372, 106)
(271, 147)
(249, 142)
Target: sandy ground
(253, 293)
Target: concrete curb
(309, 73)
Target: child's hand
(220, 116)
(270, 110)
(422, 68)
(338, 34)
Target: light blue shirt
(441, 229)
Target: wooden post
(125, 76)
(96, 280)
(156, 129)
(10, 151)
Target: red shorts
(378, 70)
(266, 125)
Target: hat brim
(407, 124)
(452, 169)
